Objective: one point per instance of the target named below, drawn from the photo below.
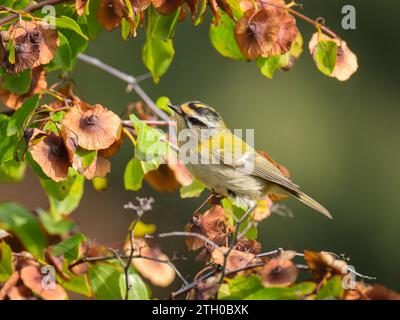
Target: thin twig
(31, 8)
(235, 238)
(190, 234)
(128, 79)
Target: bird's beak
(177, 109)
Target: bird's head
(196, 115)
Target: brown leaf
(346, 61)
(207, 289)
(159, 274)
(100, 167)
(114, 148)
(80, 6)
(9, 284)
(170, 176)
(20, 293)
(49, 151)
(321, 263)
(212, 224)
(235, 260)
(32, 278)
(110, 13)
(246, 245)
(92, 127)
(278, 272)
(166, 7)
(377, 292)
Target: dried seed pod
(49, 151)
(278, 272)
(35, 43)
(92, 127)
(266, 32)
(346, 61)
(110, 13)
(160, 274)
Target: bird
(226, 164)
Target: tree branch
(31, 8)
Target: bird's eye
(196, 122)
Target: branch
(133, 82)
(31, 8)
(128, 79)
(236, 237)
(190, 234)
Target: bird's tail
(312, 203)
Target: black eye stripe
(196, 122)
(203, 110)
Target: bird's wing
(234, 152)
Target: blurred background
(340, 141)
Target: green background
(340, 141)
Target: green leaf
(100, 184)
(325, 56)
(250, 288)
(62, 58)
(240, 287)
(235, 213)
(8, 144)
(55, 227)
(333, 289)
(78, 284)
(157, 54)
(18, 83)
(24, 226)
(268, 66)
(236, 8)
(86, 157)
(138, 289)
(194, 190)
(125, 29)
(149, 147)
(70, 202)
(15, 4)
(272, 294)
(163, 102)
(93, 25)
(18, 119)
(304, 288)
(289, 58)
(65, 22)
(6, 262)
(104, 280)
(69, 248)
(164, 27)
(133, 175)
(223, 39)
(11, 50)
(142, 229)
(12, 171)
(58, 190)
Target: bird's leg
(203, 204)
(215, 198)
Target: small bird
(227, 165)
